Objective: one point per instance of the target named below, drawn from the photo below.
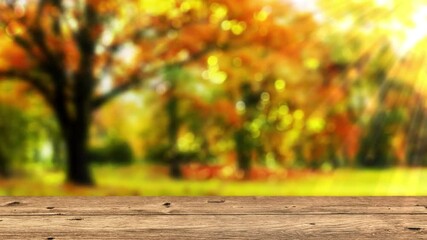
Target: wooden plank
(211, 205)
(215, 227)
(213, 218)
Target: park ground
(143, 180)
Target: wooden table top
(213, 217)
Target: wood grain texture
(213, 217)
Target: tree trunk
(175, 167)
(78, 167)
(243, 150)
(75, 133)
(173, 127)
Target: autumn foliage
(238, 83)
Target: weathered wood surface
(213, 217)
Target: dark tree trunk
(175, 167)
(243, 150)
(75, 132)
(78, 167)
(173, 127)
(79, 117)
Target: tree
(66, 50)
(80, 55)
(380, 52)
(252, 80)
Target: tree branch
(35, 82)
(134, 80)
(38, 38)
(138, 76)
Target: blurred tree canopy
(79, 55)
(243, 82)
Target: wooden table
(213, 218)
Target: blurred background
(213, 97)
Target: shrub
(114, 152)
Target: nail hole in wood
(167, 204)
(14, 203)
(216, 201)
(414, 228)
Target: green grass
(141, 180)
